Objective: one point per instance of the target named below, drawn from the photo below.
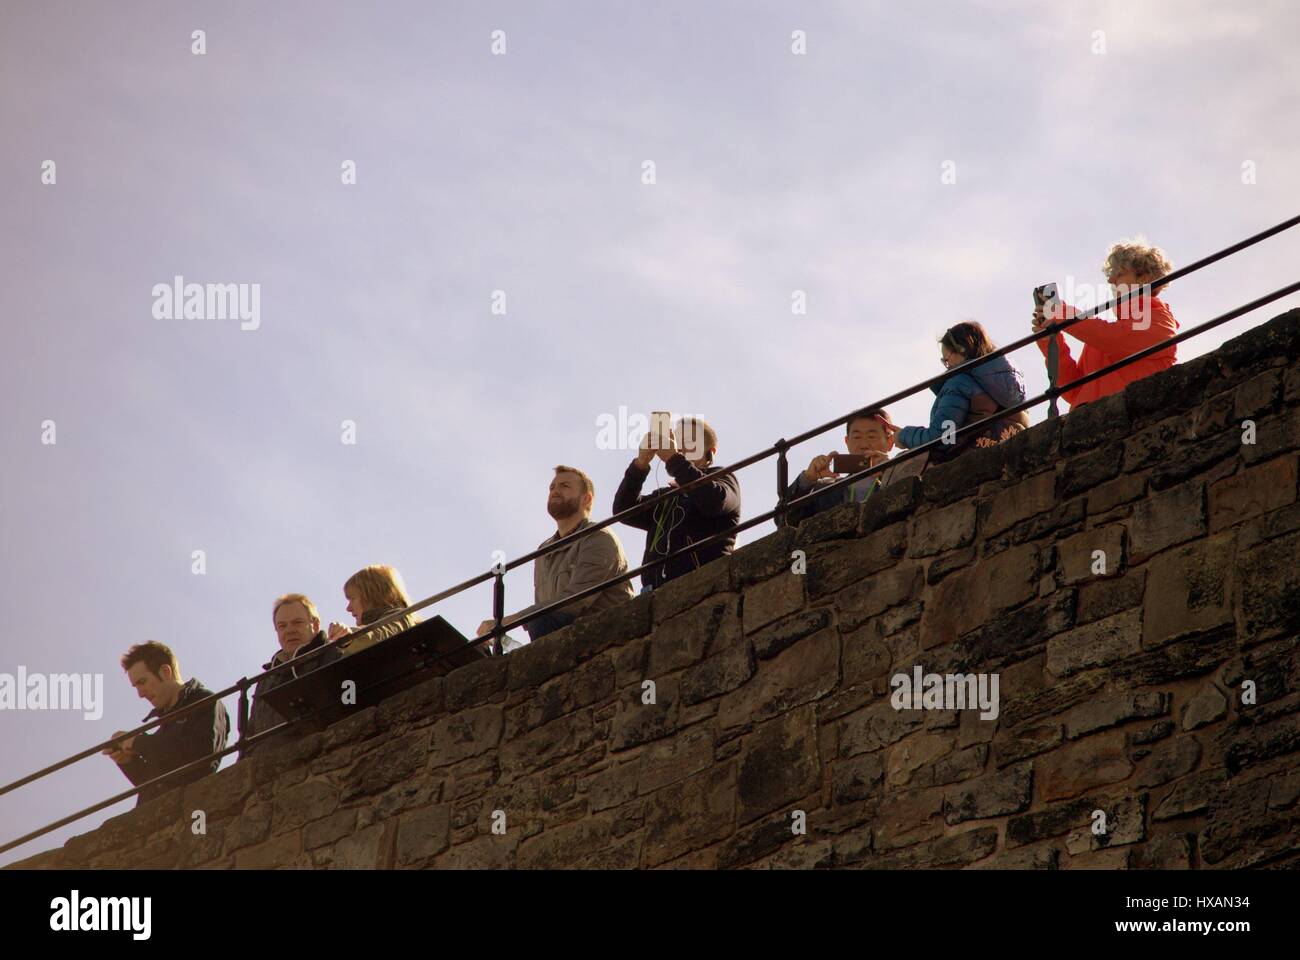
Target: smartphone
(848, 463)
(661, 424)
(1044, 295)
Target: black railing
(784, 505)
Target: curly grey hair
(1144, 259)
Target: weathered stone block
(467, 733)
(1254, 491)
(683, 593)
(304, 803)
(1095, 644)
(690, 814)
(1166, 519)
(1186, 590)
(1094, 553)
(1104, 598)
(772, 639)
(942, 529)
(1084, 472)
(1072, 770)
(831, 567)
(806, 671)
(1268, 589)
(422, 834)
(474, 683)
(668, 761)
(1005, 508)
(771, 600)
(637, 721)
(1259, 394)
(1206, 706)
(1095, 423)
(1169, 761)
(995, 795)
(778, 764)
(1102, 713)
(686, 638)
(857, 778)
(717, 675)
(280, 851)
(865, 599)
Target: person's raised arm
(628, 494)
(714, 498)
(952, 405)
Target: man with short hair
(864, 435)
(155, 673)
(711, 508)
(297, 625)
(575, 567)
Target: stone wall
(1127, 691)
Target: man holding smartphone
(868, 443)
(711, 508)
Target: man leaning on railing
(297, 624)
(573, 568)
(865, 435)
(1142, 321)
(155, 673)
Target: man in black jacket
(711, 508)
(154, 672)
(297, 627)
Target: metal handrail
(784, 505)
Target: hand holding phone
(661, 426)
(1047, 305)
(820, 468)
(849, 462)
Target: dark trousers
(539, 627)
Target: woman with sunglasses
(973, 395)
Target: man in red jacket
(1141, 321)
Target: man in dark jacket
(711, 508)
(297, 626)
(154, 672)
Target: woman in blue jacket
(990, 387)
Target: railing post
(1053, 371)
(241, 715)
(498, 610)
(782, 472)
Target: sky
(913, 167)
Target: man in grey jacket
(575, 567)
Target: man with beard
(575, 567)
(297, 624)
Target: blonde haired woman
(1141, 322)
(373, 593)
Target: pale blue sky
(522, 172)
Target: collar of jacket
(282, 657)
(191, 690)
(378, 613)
(583, 523)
